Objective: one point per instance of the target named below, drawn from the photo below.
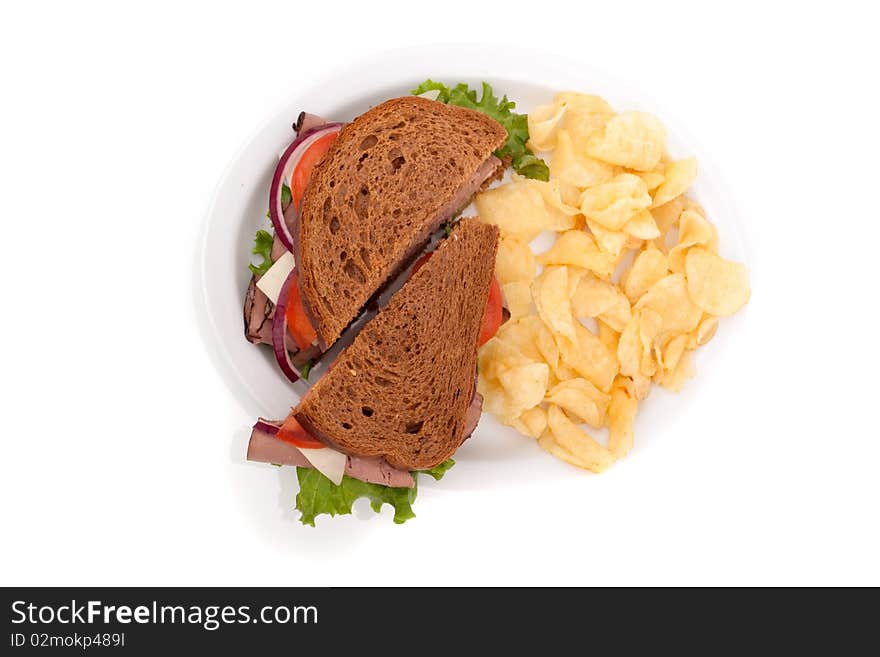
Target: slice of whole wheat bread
(402, 389)
(386, 184)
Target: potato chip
(666, 216)
(549, 445)
(638, 386)
(652, 179)
(524, 386)
(635, 140)
(611, 242)
(677, 178)
(621, 416)
(669, 298)
(693, 230)
(603, 300)
(576, 247)
(498, 355)
(551, 191)
(704, 332)
(588, 357)
(585, 115)
(635, 347)
(566, 433)
(521, 335)
(582, 399)
(608, 336)
(514, 261)
(551, 295)
(532, 422)
(642, 226)
(718, 286)
(669, 354)
(649, 267)
(543, 125)
(575, 168)
(519, 209)
(614, 203)
(676, 379)
(518, 298)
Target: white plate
(241, 200)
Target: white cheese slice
(328, 462)
(431, 94)
(270, 283)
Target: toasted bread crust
(386, 184)
(403, 388)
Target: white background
(121, 444)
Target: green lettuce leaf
(285, 194)
(318, 495)
(262, 247)
(523, 160)
(439, 470)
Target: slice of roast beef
(264, 447)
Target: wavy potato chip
(668, 354)
(585, 115)
(544, 123)
(519, 209)
(521, 335)
(652, 179)
(524, 386)
(594, 456)
(614, 203)
(642, 226)
(611, 242)
(676, 179)
(675, 379)
(669, 298)
(601, 299)
(588, 357)
(635, 347)
(551, 295)
(578, 248)
(704, 332)
(718, 286)
(608, 336)
(575, 168)
(621, 417)
(518, 298)
(582, 399)
(693, 230)
(514, 261)
(636, 140)
(666, 216)
(649, 267)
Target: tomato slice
(421, 261)
(492, 314)
(292, 432)
(298, 325)
(307, 162)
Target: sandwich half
(389, 180)
(401, 398)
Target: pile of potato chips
(632, 285)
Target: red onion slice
(265, 427)
(279, 330)
(283, 171)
